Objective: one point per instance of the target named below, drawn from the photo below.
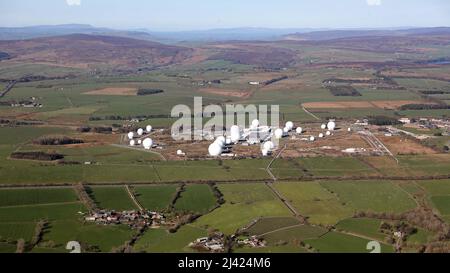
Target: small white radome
(255, 123)
(235, 133)
(149, 128)
(278, 133)
(140, 131)
(268, 146)
(299, 130)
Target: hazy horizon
(195, 15)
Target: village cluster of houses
(253, 241)
(214, 243)
(427, 123)
(32, 103)
(133, 219)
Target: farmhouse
(214, 243)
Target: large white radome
(215, 149)
(148, 143)
(331, 125)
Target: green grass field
(196, 198)
(294, 235)
(244, 203)
(14, 231)
(329, 166)
(315, 202)
(335, 242)
(114, 198)
(161, 241)
(362, 226)
(377, 196)
(269, 224)
(18, 197)
(155, 198)
(103, 238)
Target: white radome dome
(323, 126)
(268, 146)
(289, 125)
(349, 129)
(139, 142)
(132, 143)
(299, 130)
(328, 133)
(312, 138)
(228, 141)
(331, 125)
(278, 133)
(215, 149)
(148, 143)
(140, 131)
(321, 135)
(255, 123)
(130, 135)
(265, 152)
(149, 128)
(179, 152)
(285, 130)
(220, 141)
(235, 133)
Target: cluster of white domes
(147, 143)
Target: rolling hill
(88, 51)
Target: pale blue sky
(207, 14)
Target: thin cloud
(374, 2)
(73, 2)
